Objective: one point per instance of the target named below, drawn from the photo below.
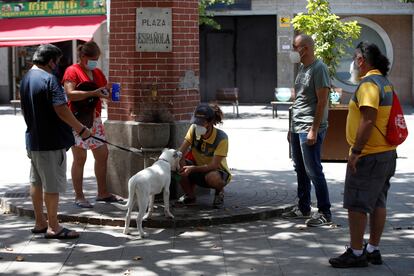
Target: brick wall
(137, 71)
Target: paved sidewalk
(264, 181)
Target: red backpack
(397, 130)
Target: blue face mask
(92, 64)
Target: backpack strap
(386, 99)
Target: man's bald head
(305, 40)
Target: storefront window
(372, 32)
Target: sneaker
(218, 201)
(318, 219)
(374, 257)
(186, 200)
(296, 214)
(348, 259)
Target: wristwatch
(355, 151)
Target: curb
(158, 221)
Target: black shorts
(200, 178)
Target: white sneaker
(319, 219)
(295, 213)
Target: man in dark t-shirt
(48, 137)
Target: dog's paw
(143, 235)
(169, 215)
(147, 216)
(127, 233)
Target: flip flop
(39, 231)
(109, 199)
(83, 204)
(63, 234)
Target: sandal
(83, 204)
(109, 199)
(185, 201)
(63, 234)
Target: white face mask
(354, 71)
(199, 131)
(294, 57)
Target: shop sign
(52, 8)
(154, 30)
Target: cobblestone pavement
(264, 181)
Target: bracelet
(82, 131)
(355, 151)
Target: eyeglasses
(355, 56)
(297, 47)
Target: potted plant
(154, 121)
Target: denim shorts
(48, 168)
(367, 189)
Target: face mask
(294, 57)
(92, 64)
(354, 71)
(199, 131)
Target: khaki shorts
(367, 189)
(49, 170)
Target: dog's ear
(164, 149)
(178, 154)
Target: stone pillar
(285, 34)
(169, 76)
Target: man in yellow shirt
(372, 160)
(205, 164)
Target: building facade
(251, 50)
(26, 24)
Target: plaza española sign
(52, 8)
(154, 30)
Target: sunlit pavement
(264, 247)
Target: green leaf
(331, 35)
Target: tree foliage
(206, 17)
(331, 36)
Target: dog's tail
(131, 194)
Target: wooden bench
(275, 104)
(229, 96)
(15, 104)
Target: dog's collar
(162, 159)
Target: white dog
(146, 184)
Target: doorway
(241, 54)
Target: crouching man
(204, 156)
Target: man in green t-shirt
(308, 129)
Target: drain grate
(16, 194)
